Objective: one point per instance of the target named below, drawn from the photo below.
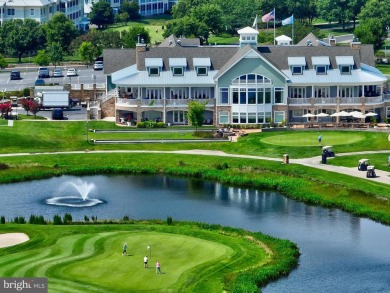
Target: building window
(154, 71)
(32, 12)
(298, 113)
(201, 93)
(235, 96)
(179, 117)
(297, 92)
(153, 94)
(321, 69)
(251, 78)
(321, 92)
(345, 92)
(223, 118)
(243, 118)
(279, 116)
(10, 11)
(178, 71)
(252, 118)
(260, 96)
(201, 70)
(345, 69)
(267, 96)
(235, 117)
(243, 96)
(224, 96)
(297, 70)
(179, 93)
(279, 93)
(251, 96)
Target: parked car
(57, 114)
(71, 72)
(40, 81)
(57, 73)
(98, 65)
(43, 72)
(15, 74)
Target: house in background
(243, 84)
(43, 10)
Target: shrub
(86, 219)
(126, 218)
(223, 166)
(151, 124)
(2, 220)
(3, 166)
(20, 220)
(169, 220)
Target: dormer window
(201, 71)
(296, 70)
(321, 69)
(177, 71)
(345, 69)
(154, 71)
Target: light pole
(150, 251)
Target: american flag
(268, 17)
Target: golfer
(124, 252)
(158, 270)
(319, 139)
(146, 261)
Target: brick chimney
(140, 47)
(355, 44)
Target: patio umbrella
(322, 115)
(336, 114)
(370, 114)
(358, 115)
(308, 115)
(344, 114)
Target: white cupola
(248, 35)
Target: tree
(371, 31)
(131, 8)
(21, 36)
(189, 27)
(101, 14)
(34, 107)
(195, 113)
(55, 53)
(42, 59)
(130, 37)
(25, 104)
(121, 17)
(211, 15)
(301, 30)
(3, 62)
(87, 52)
(60, 29)
(376, 9)
(5, 109)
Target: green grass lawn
(88, 258)
(377, 160)
(311, 139)
(384, 68)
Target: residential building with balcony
(243, 84)
(43, 10)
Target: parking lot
(76, 113)
(29, 74)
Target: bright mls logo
(30, 285)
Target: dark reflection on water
(340, 252)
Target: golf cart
(328, 151)
(363, 164)
(370, 172)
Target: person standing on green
(158, 268)
(124, 252)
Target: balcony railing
(386, 97)
(299, 101)
(152, 103)
(351, 100)
(326, 101)
(374, 100)
(126, 102)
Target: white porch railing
(126, 102)
(326, 101)
(386, 97)
(374, 100)
(351, 100)
(152, 103)
(299, 101)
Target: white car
(71, 72)
(57, 73)
(98, 65)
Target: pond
(340, 252)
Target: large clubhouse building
(245, 83)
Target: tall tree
(189, 27)
(42, 59)
(101, 14)
(376, 9)
(356, 7)
(55, 53)
(131, 8)
(371, 31)
(60, 29)
(130, 37)
(87, 52)
(21, 36)
(195, 113)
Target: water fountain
(81, 200)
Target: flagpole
(274, 25)
(292, 29)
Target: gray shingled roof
(222, 57)
(117, 59)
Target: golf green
(89, 259)
(311, 138)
